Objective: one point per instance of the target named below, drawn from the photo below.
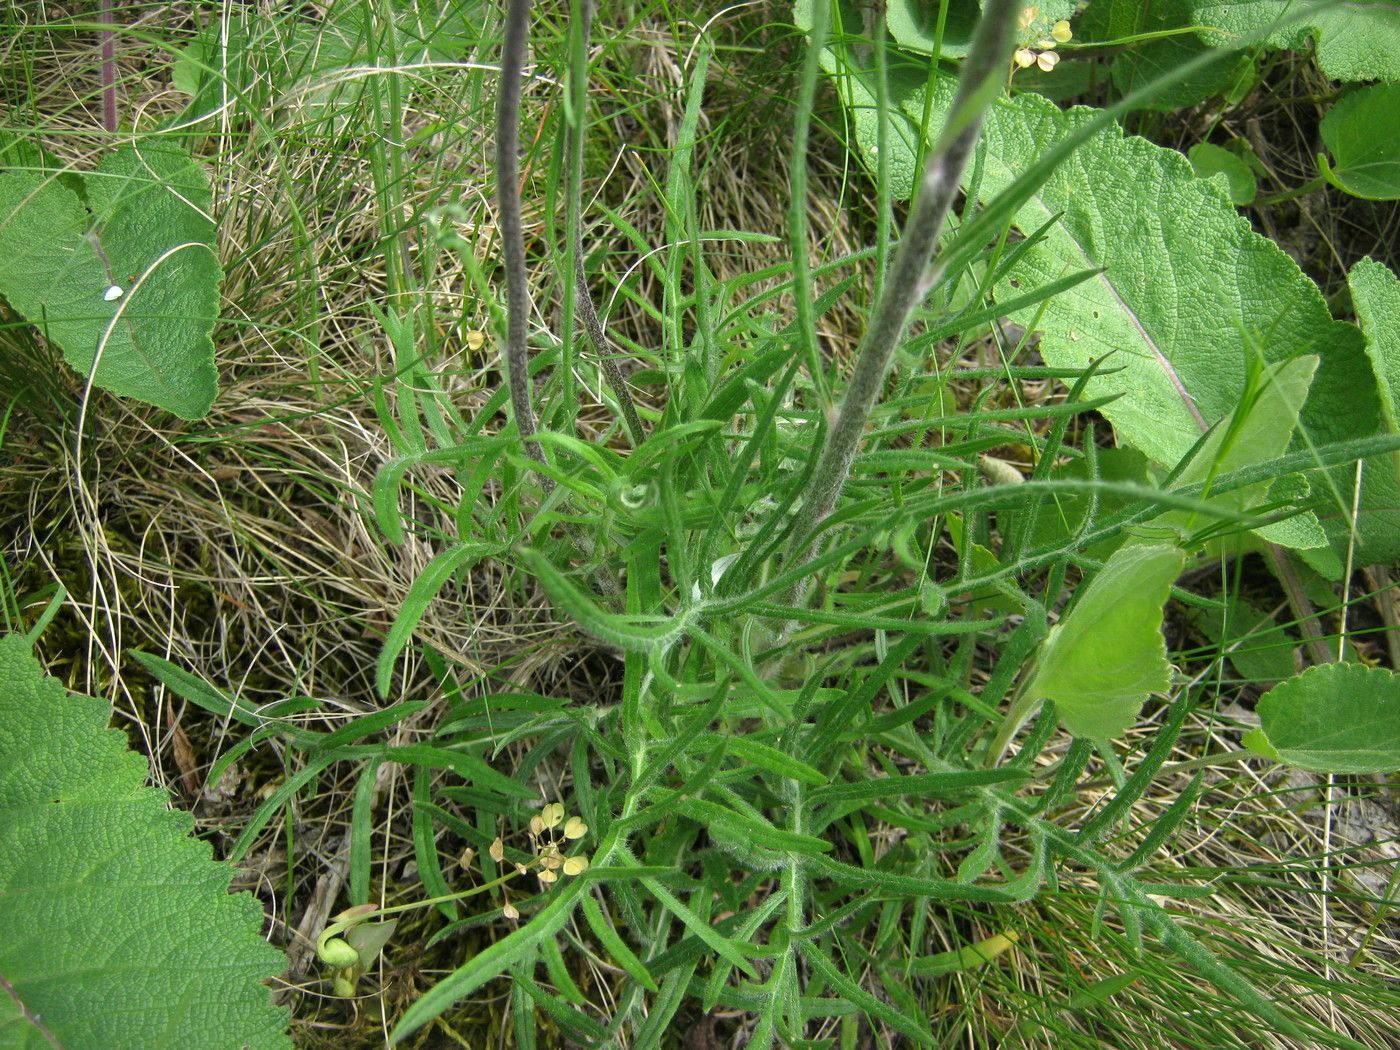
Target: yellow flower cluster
(550, 833)
(1046, 58)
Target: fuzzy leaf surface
(144, 230)
(1108, 21)
(117, 929)
(1333, 718)
(1356, 39)
(1190, 294)
(1099, 663)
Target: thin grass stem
(584, 307)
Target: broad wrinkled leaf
(1334, 718)
(129, 273)
(1257, 431)
(1374, 536)
(1101, 661)
(116, 928)
(1356, 39)
(1189, 293)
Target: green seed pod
(338, 953)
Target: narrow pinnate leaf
(129, 275)
(1100, 662)
(116, 928)
(1335, 718)
(1362, 132)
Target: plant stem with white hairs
(910, 277)
(517, 355)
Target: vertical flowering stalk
(910, 277)
(517, 355)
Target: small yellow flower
(1025, 57)
(552, 814)
(575, 828)
(575, 865)
(1061, 31)
(1029, 15)
(1047, 60)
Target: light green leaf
(1257, 431)
(1261, 426)
(116, 928)
(1208, 160)
(129, 275)
(1375, 292)
(1361, 405)
(1356, 39)
(913, 24)
(1189, 292)
(1334, 718)
(1100, 662)
(1362, 132)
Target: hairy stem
(517, 356)
(909, 278)
(797, 206)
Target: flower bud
(338, 953)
